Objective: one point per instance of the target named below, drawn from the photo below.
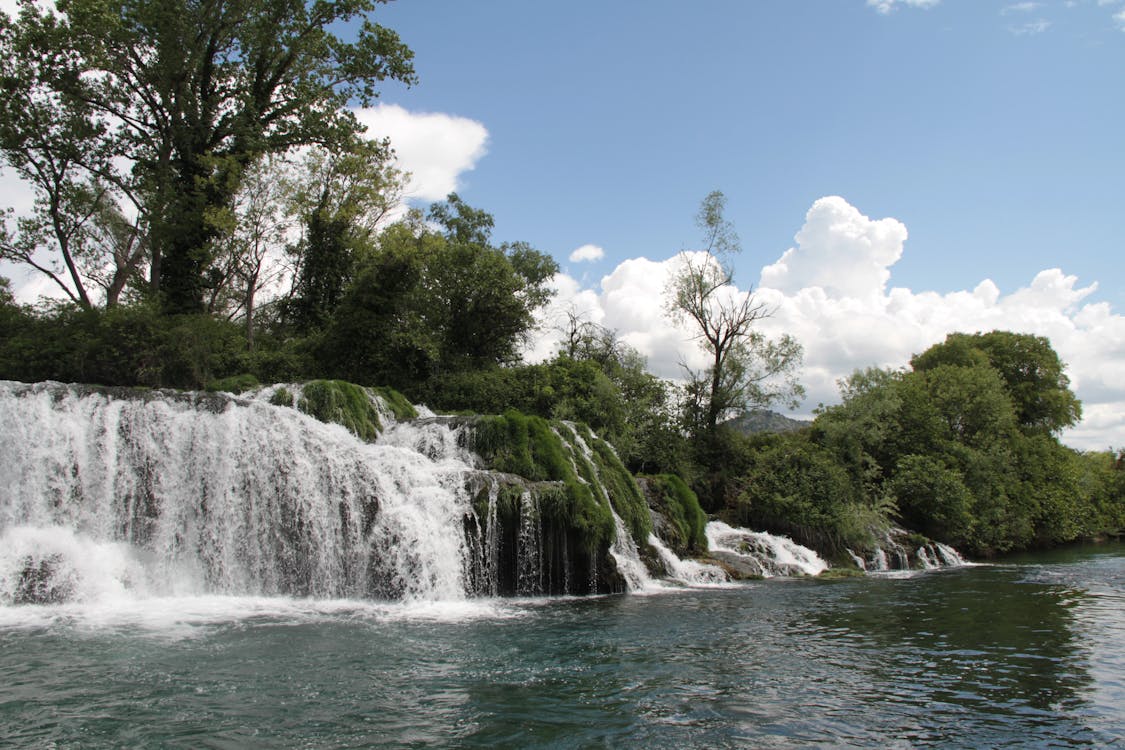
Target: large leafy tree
(170, 100)
(1032, 373)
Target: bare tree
(746, 368)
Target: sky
(896, 169)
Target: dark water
(1029, 653)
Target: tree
(340, 199)
(170, 100)
(1031, 370)
(482, 298)
(250, 257)
(746, 368)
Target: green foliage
(125, 345)
(964, 445)
(234, 384)
(170, 101)
(797, 487)
(283, 397)
(342, 403)
(680, 507)
(378, 333)
(1032, 373)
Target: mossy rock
(282, 397)
(834, 574)
(515, 443)
(399, 405)
(671, 497)
(342, 403)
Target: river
(1029, 652)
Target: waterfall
(529, 548)
(628, 558)
(896, 553)
(690, 572)
(763, 554)
(182, 494)
(624, 549)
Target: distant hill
(762, 420)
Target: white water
(199, 495)
(690, 572)
(775, 555)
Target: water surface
(1028, 653)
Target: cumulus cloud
(435, 148)
(886, 6)
(587, 254)
(831, 291)
(840, 251)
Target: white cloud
(886, 6)
(1031, 28)
(840, 251)
(831, 292)
(587, 254)
(435, 148)
(1025, 7)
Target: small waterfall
(897, 553)
(690, 572)
(529, 548)
(628, 558)
(949, 556)
(624, 549)
(761, 553)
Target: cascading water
(110, 493)
(624, 549)
(690, 572)
(896, 553)
(176, 494)
(761, 553)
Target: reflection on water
(1028, 653)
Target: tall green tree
(173, 99)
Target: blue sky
(993, 130)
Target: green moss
(833, 574)
(342, 403)
(397, 403)
(527, 446)
(682, 510)
(282, 397)
(622, 489)
(234, 384)
(916, 540)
